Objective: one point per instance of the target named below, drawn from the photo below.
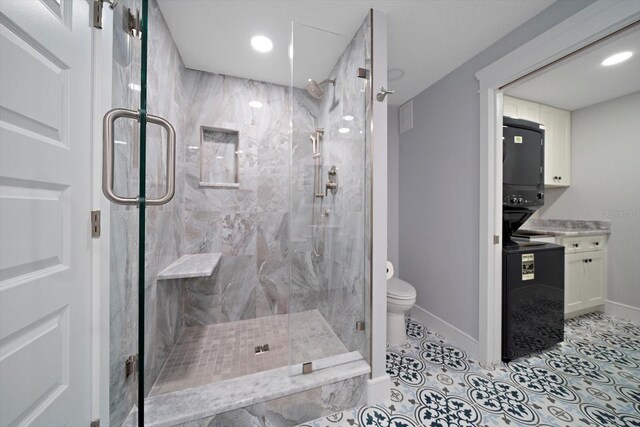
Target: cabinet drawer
(594, 243)
(583, 243)
(574, 244)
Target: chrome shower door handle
(107, 154)
(108, 162)
(171, 161)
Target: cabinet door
(573, 275)
(521, 109)
(557, 152)
(593, 282)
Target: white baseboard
(450, 332)
(378, 390)
(622, 310)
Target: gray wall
(439, 170)
(605, 185)
(393, 157)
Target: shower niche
(219, 150)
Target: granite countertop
(568, 227)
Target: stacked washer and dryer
(532, 272)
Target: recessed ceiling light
(344, 130)
(261, 43)
(347, 118)
(255, 104)
(617, 58)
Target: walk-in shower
(259, 264)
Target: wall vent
(406, 116)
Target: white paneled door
(45, 187)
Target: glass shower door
(329, 214)
(270, 184)
(138, 173)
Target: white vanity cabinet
(557, 123)
(583, 272)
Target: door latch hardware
(496, 239)
(363, 73)
(135, 25)
(360, 325)
(95, 423)
(95, 224)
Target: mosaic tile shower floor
(591, 379)
(211, 353)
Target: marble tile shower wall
(335, 282)
(250, 226)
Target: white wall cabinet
(557, 123)
(521, 109)
(583, 273)
(557, 154)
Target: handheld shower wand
(316, 141)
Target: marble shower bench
(188, 266)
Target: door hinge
(95, 224)
(360, 325)
(135, 25)
(307, 368)
(95, 423)
(97, 11)
(496, 239)
(130, 365)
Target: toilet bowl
(401, 296)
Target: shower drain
(262, 348)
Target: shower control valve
(332, 185)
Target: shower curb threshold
(170, 409)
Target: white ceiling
(582, 81)
(427, 38)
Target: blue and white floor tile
(591, 379)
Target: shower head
(315, 89)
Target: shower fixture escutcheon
(332, 185)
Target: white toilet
(401, 296)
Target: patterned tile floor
(207, 354)
(591, 379)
